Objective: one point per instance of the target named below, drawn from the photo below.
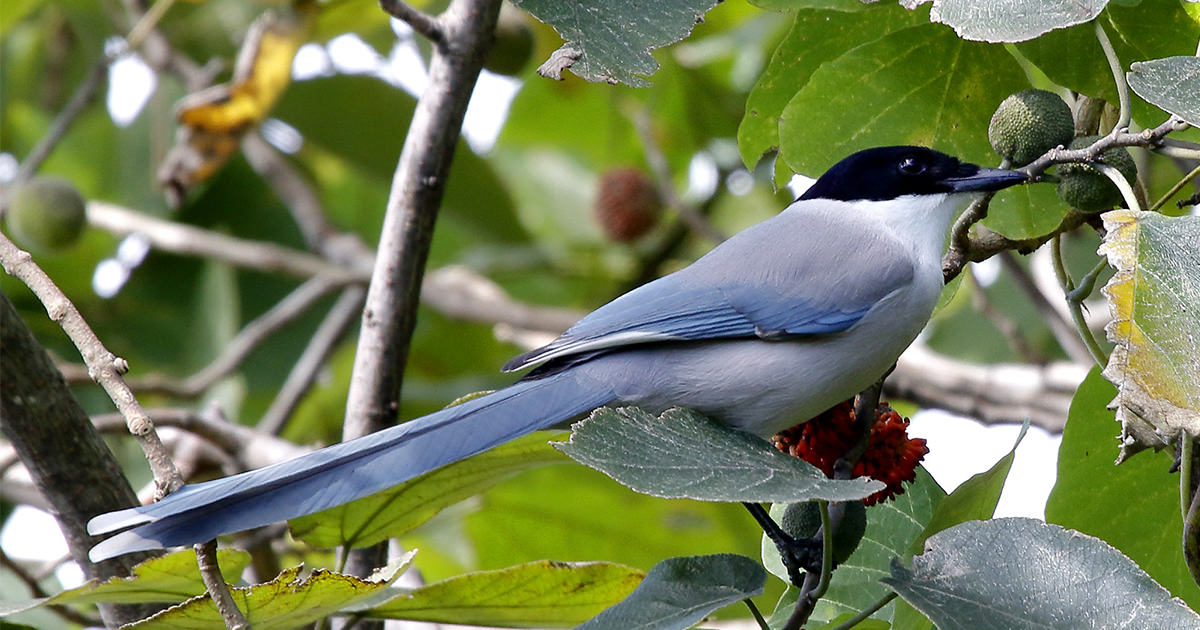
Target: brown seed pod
(627, 204)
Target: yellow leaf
(1153, 299)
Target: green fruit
(1085, 187)
(801, 520)
(46, 214)
(513, 47)
(1029, 123)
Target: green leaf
(1012, 20)
(1152, 298)
(892, 527)
(946, 105)
(1134, 506)
(1025, 211)
(1073, 58)
(614, 38)
(170, 578)
(514, 522)
(543, 594)
(1172, 84)
(974, 499)
(682, 454)
(680, 592)
(1022, 573)
(295, 598)
(816, 37)
(399, 509)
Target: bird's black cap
(887, 173)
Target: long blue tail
(351, 470)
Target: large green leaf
(682, 454)
(816, 37)
(293, 599)
(1017, 573)
(1153, 298)
(680, 592)
(170, 578)
(1172, 84)
(1012, 20)
(527, 518)
(1147, 30)
(399, 509)
(613, 38)
(1134, 506)
(890, 92)
(541, 594)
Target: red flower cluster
(891, 455)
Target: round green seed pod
(802, 520)
(46, 214)
(513, 47)
(1029, 123)
(1084, 187)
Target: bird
(771, 327)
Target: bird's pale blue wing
(773, 281)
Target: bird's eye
(912, 166)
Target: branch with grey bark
(106, 369)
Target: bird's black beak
(984, 179)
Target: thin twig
(1076, 307)
(965, 248)
(1062, 330)
(333, 328)
(218, 590)
(188, 240)
(83, 96)
(665, 183)
(1176, 188)
(103, 366)
(252, 447)
(1003, 323)
(286, 311)
(866, 612)
(420, 21)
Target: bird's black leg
(798, 554)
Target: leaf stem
(1114, 64)
(866, 612)
(1076, 306)
(826, 551)
(1185, 474)
(1176, 188)
(1121, 183)
(762, 623)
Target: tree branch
(255, 333)
(965, 248)
(62, 452)
(420, 22)
(302, 375)
(466, 29)
(992, 394)
(187, 240)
